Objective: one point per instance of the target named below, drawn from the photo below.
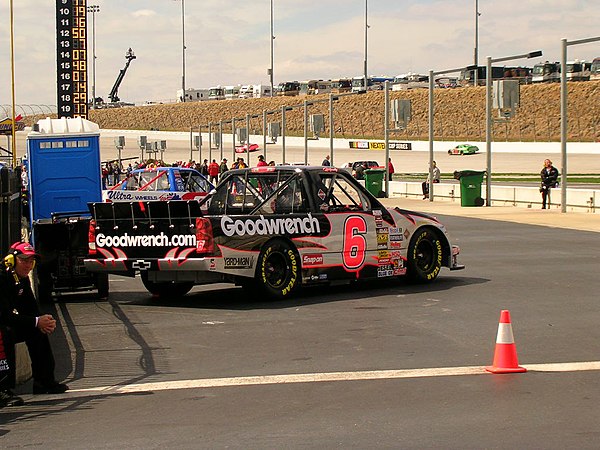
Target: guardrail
(580, 200)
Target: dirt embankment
(459, 114)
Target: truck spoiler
(147, 211)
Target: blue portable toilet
(64, 167)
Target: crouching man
(21, 321)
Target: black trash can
(470, 187)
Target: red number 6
(355, 244)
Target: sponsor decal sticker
(313, 259)
(239, 262)
(269, 226)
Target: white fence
(578, 200)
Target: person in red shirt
(261, 161)
(390, 169)
(213, 171)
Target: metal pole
(233, 136)
(305, 132)
(191, 143)
(199, 144)
(386, 136)
(93, 9)
(488, 131)
(331, 125)
(283, 134)
(183, 47)
(264, 131)
(366, 42)
(563, 124)
(476, 55)
(272, 51)
(221, 139)
(209, 141)
(248, 138)
(431, 135)
(13, 146)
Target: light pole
(272, 42)
(13, 147)
(93, 9)
(488, 116)
(183, 49)
(366, 42)
(563, 115)
(476, 53)
(431, 115)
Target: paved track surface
(209, 355)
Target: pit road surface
(216, 336)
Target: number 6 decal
(355, 244)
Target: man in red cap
(21, 321)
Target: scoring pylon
(505, 355)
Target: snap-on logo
(312, 260)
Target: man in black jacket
(21, 321)
(549, 176)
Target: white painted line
(204, 383)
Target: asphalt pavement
(545, 217)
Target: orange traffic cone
(505, 356)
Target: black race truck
(269, 229)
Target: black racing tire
(42, 285)
(166, 289)
(278, 270)
(425, 255)
(102, 285)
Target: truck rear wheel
(102, 286)
(278, 270)
(42, 285)
(166, 288)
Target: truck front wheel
(166, 288)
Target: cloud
(228, 41)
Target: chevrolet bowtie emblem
(140, 264)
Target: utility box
(505, 94)
(64, 166)
(401, 111)
(274, 130)
(317, 123)
(119, 141)
(198, 141)
(217, 140)
(242, 134)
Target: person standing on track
(549, 175)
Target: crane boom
(129, 56)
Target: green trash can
(374, 182)
(470, 187)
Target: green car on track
(464, 149)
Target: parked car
(464, 149)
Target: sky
(228, 41)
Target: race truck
(270, 229)
(159, 183)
